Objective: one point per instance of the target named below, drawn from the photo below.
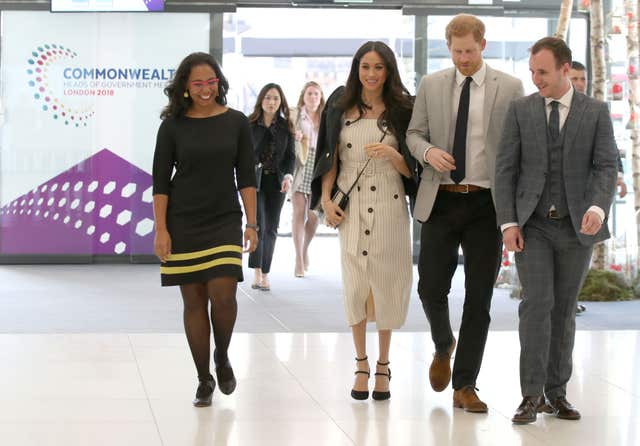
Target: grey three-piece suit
(572, 172)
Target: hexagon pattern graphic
(72, 212)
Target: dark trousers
(552, 268)
(467, 221)
(270, 201)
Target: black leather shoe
(226, 379)
(528, 409)
(361, 394)
(381, 396)
(564, 410)
(204, 394)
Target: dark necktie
(554, 121)
(460, 138)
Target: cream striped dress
(375, 242)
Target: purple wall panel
(102, 205)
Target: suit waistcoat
(553, 193)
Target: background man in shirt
(580, 81)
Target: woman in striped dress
(363, 130)
(198, 219)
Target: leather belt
(461, 188)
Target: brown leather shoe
(528, 409)
(440, 370)
(467, 399)
(564, 410)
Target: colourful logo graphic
(40, 62)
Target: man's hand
(440, 160)
(512, 239)
(591, 223)
(622, 187)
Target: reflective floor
(293, 389)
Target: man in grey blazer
(555, 181)
(454, 130)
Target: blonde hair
(304, 90)
(463, 24)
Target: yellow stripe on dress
(203, 253)
(201, 266)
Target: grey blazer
(589, 161)
(431, 123)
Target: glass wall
(292, 46)
(81, 96)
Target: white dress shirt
(476, 158)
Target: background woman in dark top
(198, 220)
(273, 139)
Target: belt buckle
(553, 214)
(466, 189)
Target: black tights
(221, 292)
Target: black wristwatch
(252, 226)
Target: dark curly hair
(178, 104)
(282, 112)
(397, 100)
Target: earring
(186, 94)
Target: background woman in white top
(304, 222)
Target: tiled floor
(129, 299)
(293, 389)
(96, 355)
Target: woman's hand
(299, 135)
(332, 213)
(381, 151)
(286, 184)
(162, 244)
(250, 240)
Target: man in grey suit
(555, 181)
(454, 130)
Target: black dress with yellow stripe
(213, 158)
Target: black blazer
(284, 156)
(328, 136)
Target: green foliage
(602, 285)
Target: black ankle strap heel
(381, 396)
(361, 394)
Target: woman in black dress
(198, 219)
(273, 138)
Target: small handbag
(340, 197)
